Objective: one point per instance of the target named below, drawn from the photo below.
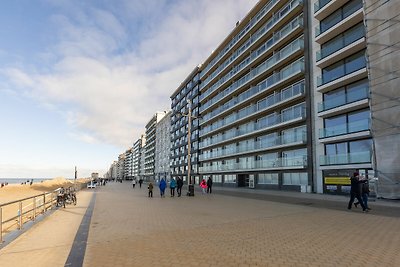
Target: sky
(80, 79)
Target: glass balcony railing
(336, 44)
(260, 15)
(265, 28)
(320, 4)
(327, 78)
(258, 145)
(353, 96)
(261, 125)
(259, 52)
(276, 99)
(300, 161)
(269, 82)
(347, 128)
(349, 10)
(349, 158)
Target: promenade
(228, 228)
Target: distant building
(150, 147)
(163, 148)
(95, 175)
(128, 164)
(188, 91)
(137, 155)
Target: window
(268, 178)
(217, 178)
(230, 178)
(296, 178)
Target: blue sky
(80, 79)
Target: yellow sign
(337, 180)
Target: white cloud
(106, 80)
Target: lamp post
(189, 116)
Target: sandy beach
(13, 192)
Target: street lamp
(189, 116)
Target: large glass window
(355, 62)
(268, 178)
(296, 178)
(340, 14)
(230, 178)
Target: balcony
(258, 146)
(322, 36)
(275, 164)
(323, 8)
(348, 98)
(272, 101)
(345, 159)
(273, 122)
(289, 29)
(347, 128)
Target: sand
(13, 192)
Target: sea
(21, 180)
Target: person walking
(172, 186)
(133, 183)
(150, 187)
(140, 182)
(179, 183)
(203, 185)
(162, 187)
(355, 191)
(364, 193)
(209, 185)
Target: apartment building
(185, 97)
(255, 102)
(163, 148)
(136, 158)
(150, 147)
(128, 164)
(342, 122)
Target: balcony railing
(262, 125)
(320, 4)
(348, 38)
(344, 15)
(284, 95)
(258, 145)
(349, 158)
(347, 128)
(253, 39)
(295, 67)
(362, 93)
(324, 79)
(297, 162)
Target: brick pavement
(129, 229)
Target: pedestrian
(209, 185)
(140, 182)
(150, 187)
(179, 183)
(364, 193)
(162, 187)
(355, 191)
(203, 185)
(133, 183)
(172, 185)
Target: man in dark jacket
(355, 191)
(179, 184)
(209, 185)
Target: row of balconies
(273, 122)
(268, 27)
(265, 67)
(271, 102)
(257, 146)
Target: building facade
(137, 154)
(128, 164)
(185, 96)
(163, 148)
(255, 104)
(150, 147)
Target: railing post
(34, 208)
(20, 216)
(1, 225)
(44, 202)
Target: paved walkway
(129, 229)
